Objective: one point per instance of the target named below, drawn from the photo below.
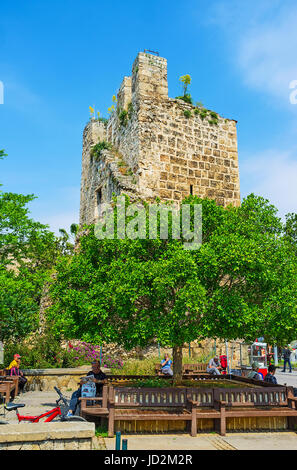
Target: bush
(97, 149)
(187, 98)
(39, 353)
(147, 366)
(187, 113)
(87, 352)
(123, 117)
(46, 352)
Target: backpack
(223, 360)
(88, 389)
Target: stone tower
(159, 147)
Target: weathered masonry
(159, 147)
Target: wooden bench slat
(190, 404)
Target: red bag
(223, 360)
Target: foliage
(241, 282)
(130, 110)
(101, 430)
(28, 252)
(19, 303)
(203, 113)
(45, 351)
(111, 109)
(40, 352)
(290, 230)
(123, 117)
(86, 352)
(102, 119)
(66, 240)
(147, 366)
(154, 382)
(186, 81)
(187, 113)
(99, 147)
(187, 98)
(2, 154)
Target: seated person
(254, 374)
(99, 379)
(166, 365)
(14, 370)
(270, 376)
(214, 366)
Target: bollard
(118, 440)
(125, 444)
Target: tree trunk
(177, 363)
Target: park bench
(192, 369)
(120, 403)
(146, 404)
(8, 384)
(188, 369)
(273, 401)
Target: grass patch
(147, 366)
(101, 431)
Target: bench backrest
(148, 397)
(199, 367)
(258, 397)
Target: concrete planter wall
(46, 379)
(48, 436)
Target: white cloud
(273, 175)
(267, 56)
(60, 220)
(264, 42)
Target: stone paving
(36, 403)
(39, 402)
(232, 441)
(286, 378)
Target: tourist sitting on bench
(270, 376)
(254, 374)
(99, 379)
(166, 365)
(14, 370)
(214, 366)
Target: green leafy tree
(28, 252)
(19, 306)
(239, 284)
(186, 82)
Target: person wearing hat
(254, 374)
(16, 362)
(14, 368)
(214, 366)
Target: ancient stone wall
(162, 146)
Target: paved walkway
(232, 441)
(286, 377)
(39, 402)
(36, 403)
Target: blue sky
(59, 57)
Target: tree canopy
(240, 283)
(28, 252)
